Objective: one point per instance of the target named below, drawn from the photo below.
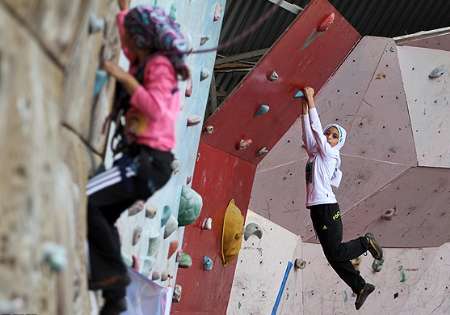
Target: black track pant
(327, 223)
(133, 177)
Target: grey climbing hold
(207, 224)
(165, 215)
(204, 74)
(54, 256)
(388, 214)
(262, 151)
(273, 76)
(176, 166)
(165, 275)
(217, 12)
(177, 293)
(96, 24)
(298, 94)
(101, 77)
(171, 226)
(252, 229)
(299, 264)
(263, 109)
(377, 265)
(136, 235)
(193, 120)
(437, 72)
(156, 275)
(153, 246)
(208, 263)
(203, 40)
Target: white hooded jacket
(323, 166)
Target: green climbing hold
(190, 206)
(165, 215)
(184, 260)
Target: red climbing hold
(173, 246)
(326, 23)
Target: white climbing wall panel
(261, 267)
(428, 103)
(201, 27)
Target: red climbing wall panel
(295, 65)
(218, 177)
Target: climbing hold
(262, 151)
(402, 274)
(263, 109)
(252, 229)
(153, 246)
(233, 226)
(273, 76)
(244, 144)
(392, 49)
(388, 214)
(377, 265)
(135, 265)
(207, 224)
(209, 129)
(150, 211)
(171, 226)
(326, 23)
(128, 260)
(173, 246)
(136, 235)
(188, 91)
(299, 264)
(184, 260)
(208, 263)
(101, 77)
(217, 12)
(193, 120)
(356, 262)
(437, 72)
(96, 24)
(204, 74)
(165, 215)
(203, 40)
(165, 275)
(176, 297)
(298, 94)
(147, 266)
(156, 275)
(188, 180)
(175, 166)
(54, 256)
(173, 12)
(190, 206)
(137, 207)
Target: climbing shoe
(374, 248)
(362, 296)
(114, 307)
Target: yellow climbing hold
(233, 226)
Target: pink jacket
(155, 104)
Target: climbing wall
(261, 268)
(48, 61)
(437, 39)
(150, 247)
(242, 131)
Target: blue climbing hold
(101, 77)
(207, 263)
(165, 215)
(263, 109)
(437, 72)
(298, 94)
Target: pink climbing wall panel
(218, 177)
(435, 41)
(295, 65)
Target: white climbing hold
(171, 226)
(273, 76)
(388, 214)
(193, 120)
(262, 151)
(209, 129)
(263, 109)
(96, 24)
(299, 264)
(437, 72)
(176, 165)
(204, 74)
(217, 12)
(136, 235)
(177, 293)
(137, 207)
(207, 224)
(156, 275)
(244, 144)
(165, 275)
(54, 256)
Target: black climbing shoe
(374, 248)
(114, 307)
(362, 296)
